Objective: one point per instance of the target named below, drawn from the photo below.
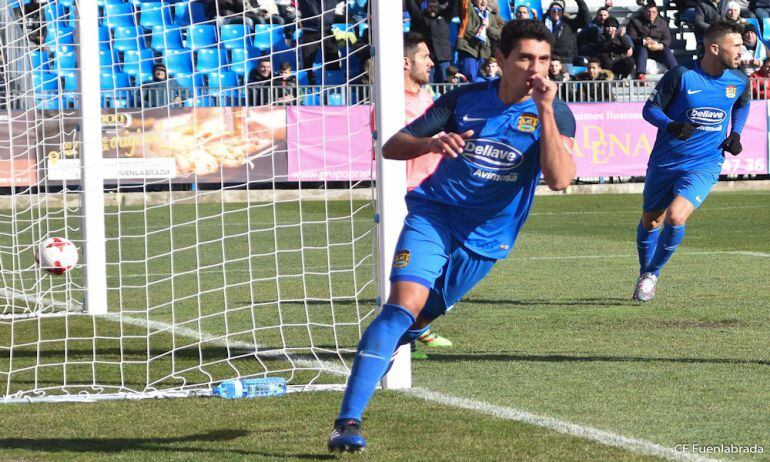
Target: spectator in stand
(432, 22)
(286, 83)
(589, 36)
(595, 86)
(652, 39)
(479, 27)
(760, 81)
(453, 75)
(753, 52)
(162, 89)
(762, 9)
(263, 12)
(744, 8)
(732, 14)
(556, 70)
(522, 12)
(489, 71)
(315, 19)
(258, 83)
(615, 50)
(706, 12)
(564, 29)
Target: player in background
(417, 66)
(692, 106)
(498, 137)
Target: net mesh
(238, 207)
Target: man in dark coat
(652, 39)
(615, 49)
(564, 28)
(433, 23)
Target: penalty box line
(607, 438)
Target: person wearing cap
(589, 36)
(753, 51)
(615, 50)
(480, 26)
(743, 7)
(161, 89)
(652, 39)
(564, 29)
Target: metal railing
(309, 95)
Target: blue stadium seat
(235, 36)
(269, 38)
(56, 12)
(190, 80)
(211, 59)
(70, 81)
(166, 38)
(755, 21)
(302, 78)
(68, 3)
(40, 60)
(59, 36)
(65, 61)
(128, 38)
(155, 14)
(178, 61)
(201, 101)
(138, 64)
(243, 60)
(335, 99)
(43, 81)
(311, 98)
(224, 85)
(505, 10)
(114, 80)
(104, 38)
(118, 14)
(103, 3)
(109, 60)
(334, 77)
(189, 12)
(766, 30)
(201, 36)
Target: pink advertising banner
(329, 143)
(612, 139)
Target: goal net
(224, 198)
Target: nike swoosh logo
(692, 92)
(471, 119)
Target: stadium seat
(70, 81)
(755, 21)
(335, 99)
(65, 61)
(310, 98)
(109, 60)
(43, 81)
(269, 37)
(766, 30)
(201, 101)
(68, 3)
(165, 38)
(178, 61)
(302, 78)
(334, 77)
(40, 60)
(201, 36)
(138, 64)
(128, 38)
(211, 59)
(505, 10)
(103, 3)
(155, 14)
(56, 13)
(114, 80)
(118, 15)
(59, 36)
(224, 85)
(243, 60)
(189, 12)
(190, 80)
(104, 38)
(235, 36)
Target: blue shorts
(660, 187)
(428, 254)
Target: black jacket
(565, 39)
(434, 28)
(310, 11)
(706, 12)
(639, 29)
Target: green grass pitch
(551, 331)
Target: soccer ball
(57, 255)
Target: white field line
(607, 438)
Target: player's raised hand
(681, 130)
(449, 144)
(732, 144)
(543, 90)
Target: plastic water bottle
(251, 388)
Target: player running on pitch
(499, 136)
(692, 106)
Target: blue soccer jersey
(491, 184)
(688, 94)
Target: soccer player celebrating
(692, 107)
(498, 137)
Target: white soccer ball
(57, 255)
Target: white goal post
(228, 227)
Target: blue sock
(646, 241)
(373, 357)
(670, 238)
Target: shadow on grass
(588, 302)
(118, 445)
(465, 357)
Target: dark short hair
(557, 58)
(267, 60)
(766, 61)
(595, 60)
(649, 5)
(604, 8)
(411, 41)
(285, 66)
(719, 29)
(519, 29)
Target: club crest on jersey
(527, 122)
(731, 91)
(401, 259)
(706, 115)
(491, 154)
